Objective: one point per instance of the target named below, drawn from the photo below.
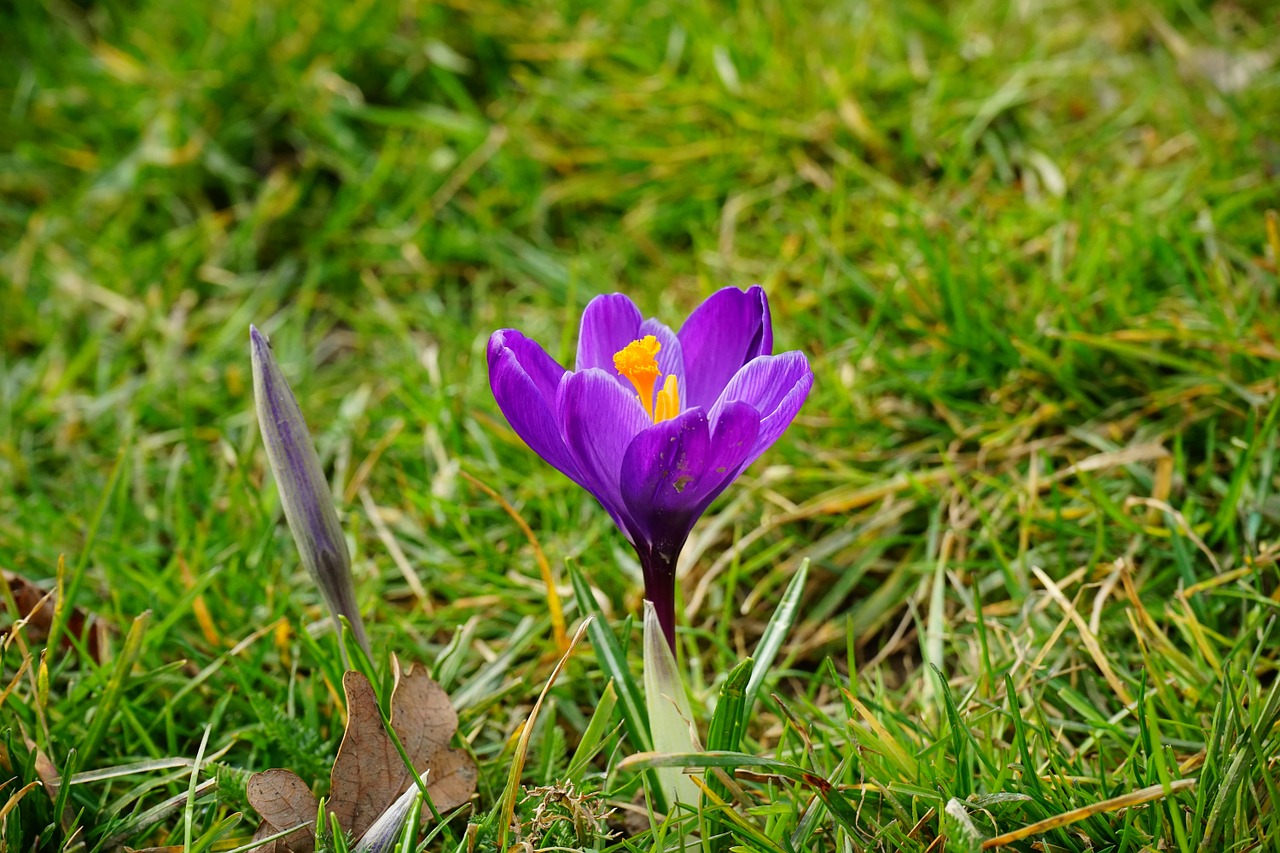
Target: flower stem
(660, 588)
(666, 610)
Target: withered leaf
(36, 607)
(368, 770)
(424, 719)
(283, 800)
(51, 781)
(369, 775)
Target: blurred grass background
(1024, 244)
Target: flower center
(638, 362)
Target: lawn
(1026, 247)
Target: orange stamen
(668, 405)
(639, 363)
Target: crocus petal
(775, 386)
(735, 434)
(544, 370)
(304, 493)
(673, 470)
(525, 382)
(609, 323)
(725, 332)
(598, 419)
(612, 321)
(661, 473)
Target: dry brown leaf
(36, 607)
(51, 780)
(283, 800)
(425, 721)
(368, 774)
(46, 772)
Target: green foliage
(1024, 245)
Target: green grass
(1023, 244)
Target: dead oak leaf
(368, 775)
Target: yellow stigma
(638, 362)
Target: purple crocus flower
(655, 424)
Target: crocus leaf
(728, 720)
(826, 791)
(594, 734)
(670, 716)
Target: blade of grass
(593, 734)
(827, 792)
(105, 709)
(775, 634)
(612, 661)
(65, 607)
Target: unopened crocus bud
(308, 504)
(670, 717)
(382, 836)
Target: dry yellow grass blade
(366, 467)
(374, 513)
(522, 745)
(900, 755)
(845, 499)
(198, 606)
(544, 567)
(1221, 580)
(16, 798)
(1089, 639)
(1110, 459)
(1124, 801)
(1159, 506)
(1273, 236)
(17, 676)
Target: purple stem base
(660, 588)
